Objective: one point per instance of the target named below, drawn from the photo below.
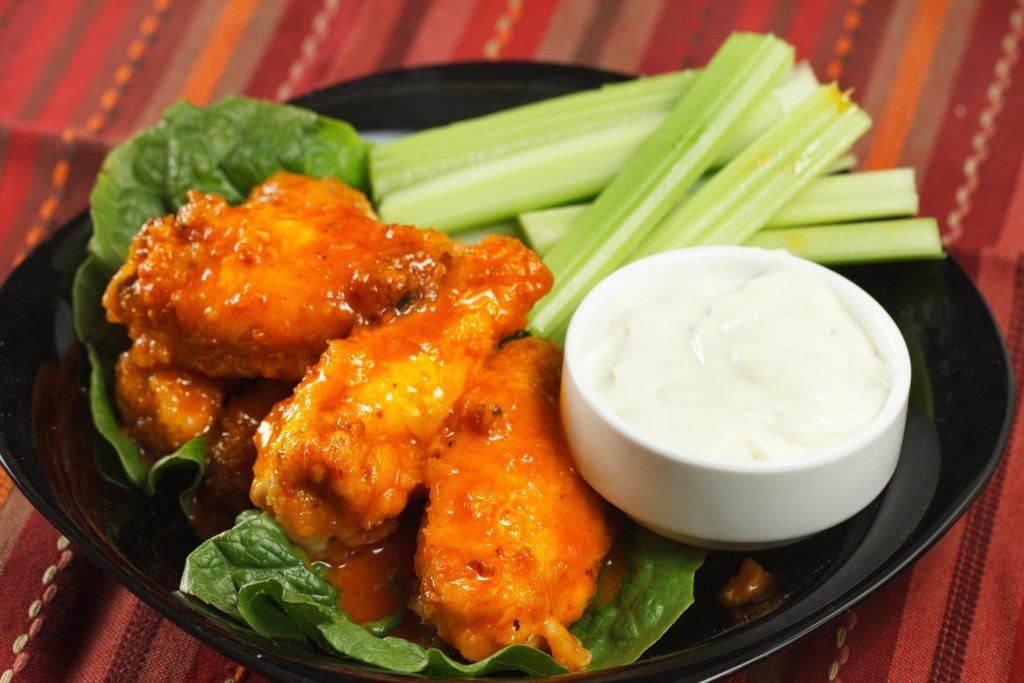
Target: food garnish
(836, 219)
(484, 170)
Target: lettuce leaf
(252, 574)
(226, 148)
(657, 587)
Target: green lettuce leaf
(252, 573)
(657, 587)
(254, 549)
(118, 458)
(226, 148)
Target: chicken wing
(256, 290)
(230, 452)
(338, 461)
(513, 537)
(163, 408)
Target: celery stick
(830, 244)
(797, 85)
(560, 172)
(503, 229)
(448, 181)
(543, 229)
(851, 197)
(843, 163)
(434, 152)
(827, 199)
(427, 154)
(740, 75)
(738, 200)
(873, 241)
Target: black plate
(962, 406)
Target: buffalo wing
(513, 537)
(338, 460)
(257, 290)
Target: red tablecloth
(941, 79)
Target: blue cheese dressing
(769, 367)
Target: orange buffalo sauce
(751, 585)
(609, 580)
(374, 579)
(377, 580)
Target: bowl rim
(867, 312)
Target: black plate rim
(268, 662)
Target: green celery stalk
(843, 163)
(795, 87)
(427, 154)
(543, 229)
(846, 197)
(489, 169)
(738, 200)
(842, 243)
(739, 76)
(568, 170)
(851, 197)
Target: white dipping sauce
(767, 367)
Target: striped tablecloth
(941, 78)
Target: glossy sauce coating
(165, 407)
(338, 461)
(514, 538)
(751, 584)
(257, 290)
(377, 580)
(230, 453)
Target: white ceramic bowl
(720, 503)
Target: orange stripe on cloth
(5, 488)
(213, 60)
(908, 84)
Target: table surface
(941, 78)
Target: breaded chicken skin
(162, 408)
